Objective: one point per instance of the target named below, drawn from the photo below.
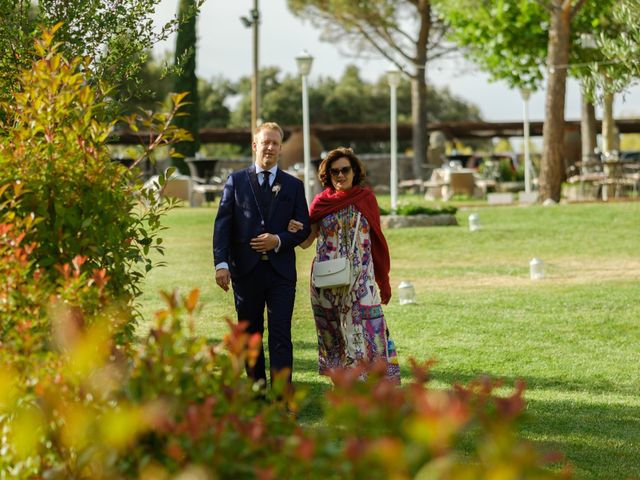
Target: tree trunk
(419, 121)
(608, 125)
(552, 169)
(419, 90)
(588, 130)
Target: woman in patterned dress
(349, 320)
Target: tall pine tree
(187, 81)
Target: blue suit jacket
(240, 218)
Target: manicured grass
(574, 337)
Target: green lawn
(574, 337)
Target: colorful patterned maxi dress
(349, 320)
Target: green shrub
(47, 345)
(508, 173)
(413, 209)
(81, 410)
(85, 206)
(213, 416)
(23, 289)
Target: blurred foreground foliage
(177, 403)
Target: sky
(225, 48)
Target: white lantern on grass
(406, 293)
(474, 222)
(536, 269)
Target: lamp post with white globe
(253, 21)
(526, 93)
(393, 78)
(304, 62)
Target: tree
(85, 209)
(552, 169)
(614, 65)
(626, 47)
(524, 43)
(147, 89)
(402, 31)
(350, 99)
(214, 112)
(115, 35)
(187, 81)
(619, 46)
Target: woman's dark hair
(356, 165)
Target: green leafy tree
(280, 98)
(215, 112)
(623, 49)
(114, 35)
(15, 40)
(187, 81)
(612, 62)
(613, 65)
(213, 96)
(350, 99)
(153, 84)
(86, 207)
(507, 39)
(403, 32)
(347, 102)
(526, 43)
(148, 88)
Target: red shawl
(330, 201)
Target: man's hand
(294, 226)
(223, 277)
(264, 242)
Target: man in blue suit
(253, 250)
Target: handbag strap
(355, 233)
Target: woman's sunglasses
(337, 171)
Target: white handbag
(336, 272)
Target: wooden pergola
(379, 132)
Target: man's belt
(264, 257)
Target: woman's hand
(294, 226)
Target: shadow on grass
(313, 405)
(307, 378)
(600, 440)
(592, 387)
(598, 437)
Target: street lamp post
(526, 93)
(253, 21)
(393, 77)
(304, 61)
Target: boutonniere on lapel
(275, 189)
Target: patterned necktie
(265, 181)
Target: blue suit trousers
(265, 287)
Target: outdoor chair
(460, 183)
(204, 184)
